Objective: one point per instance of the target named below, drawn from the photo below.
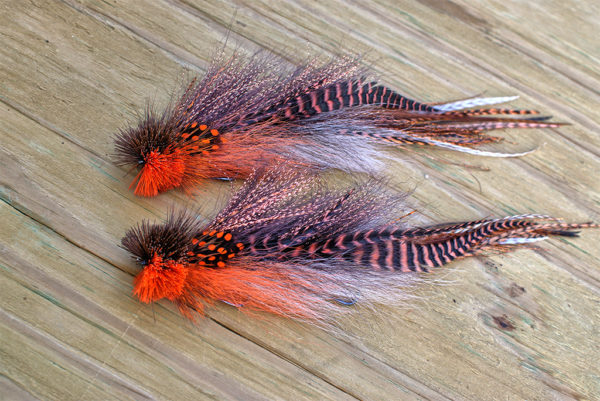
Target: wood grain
(511, 327)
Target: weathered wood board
(509, 327)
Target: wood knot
(504, 323)
(515, 290)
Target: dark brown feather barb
(247, 113)
(287, 244)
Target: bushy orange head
(161, 172)
(160, 279)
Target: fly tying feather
(247, 113)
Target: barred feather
(244, 114)
(288, 245)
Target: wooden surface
(510, 327)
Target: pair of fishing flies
(286, 243)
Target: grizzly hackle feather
(288, 245)
(245, 113)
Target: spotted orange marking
(221, 264)
(221, 250)
(202, 263)
(215, 147)
(190, 253)
(213, 232)
(214, 132)
(227, 237)
(211, 247)
(201, 243)
(195, 138)
(206, 141)
(203, 127)
(231, 255)
(185, 136)
(195, 241)
(194, 125)
(240, 245)
(220, 234)
(211, 258)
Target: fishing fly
(250, 112)
(287, 244)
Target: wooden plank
(524, 326)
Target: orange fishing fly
(246, 113)
(286, 244)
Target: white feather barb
(474, 102)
